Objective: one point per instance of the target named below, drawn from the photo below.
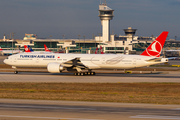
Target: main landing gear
(15, 72)
(84, 73)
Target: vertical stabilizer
(26, 48)
(156, 46)
(46, 48)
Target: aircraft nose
(5, 61)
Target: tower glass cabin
(106, 14)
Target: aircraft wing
(77, 64)
(158, 60)
(74, 63)
(154, 60)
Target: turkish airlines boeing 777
(80, 63)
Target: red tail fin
(46, 48)
(96, 50)
(101, 50)
(155, 48)
(0, 49)
(26, 48)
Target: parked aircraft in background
(26, 49)
(83, 64)
(100, 49)
(30, 48)
(96, 50)
(9, 52)
(46, 48)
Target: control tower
(106, 14)
(130, 31)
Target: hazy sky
(74, 17)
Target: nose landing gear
(15, 69)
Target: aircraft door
(134, 62)
(103, 60)
(14, 59)
(36, 61)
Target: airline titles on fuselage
(37, 56)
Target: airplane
(83, 64)
(100, 49)
(96, 50)
(46, 48)
(9, 52)
(30, 48)
(26, 49)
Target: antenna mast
(101, 2)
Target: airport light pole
(175, 37)
(99, 39)
(84, 40)
(50, 40)
(79, 40)
(12, 41)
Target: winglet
(156, 46)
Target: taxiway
(71, 110)
(171, 76)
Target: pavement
(170, 76)
(18, 109)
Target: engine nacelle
(164, 60)
(54, 67)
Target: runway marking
(46, 107)
(157, 117)
(176, 109)
(46, 117)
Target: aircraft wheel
(82, 74)
(15, 72)
(75, 74)
(78, 74)
(94, 73)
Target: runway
(19, 109)
(170, 76)
(71, 110)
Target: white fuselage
(92, 61)
(10, 52)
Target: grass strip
(159, 93)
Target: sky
(80, 17)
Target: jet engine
(54, 67)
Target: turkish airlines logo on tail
(26, 49)
(155, 49)
(46, 49)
